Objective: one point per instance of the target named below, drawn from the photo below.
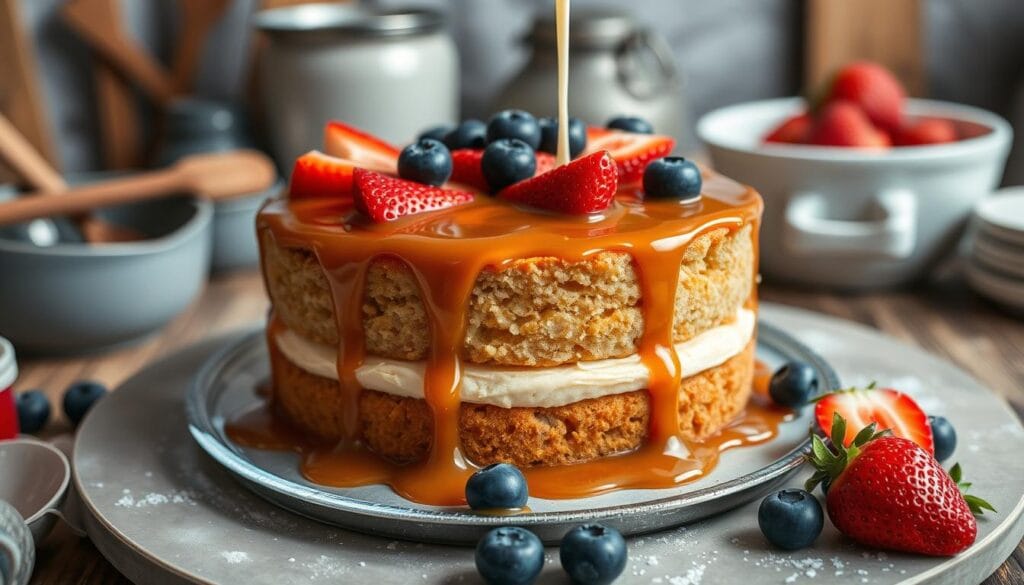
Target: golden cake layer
(400, 428)
(533, 312)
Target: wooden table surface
(943, 318)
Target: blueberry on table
(793, 384)
(436, 132)
(593, 554)
(33, 411)
(509, 556)
(672, 177)
(790, 519)
(514, 124)
(631, 124)
(425, 161)
(497, 486)
(80, 397)
(944, 436)
(507, 161)
(549, 136)
(470, 133)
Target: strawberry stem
(830, 460)
(976, 504)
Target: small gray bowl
(34, 478)
(234, 231)
(75, 298)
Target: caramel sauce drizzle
(446, 251)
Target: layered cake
(563, 319)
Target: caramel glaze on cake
(489, 282)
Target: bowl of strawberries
(864, 188)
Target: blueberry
(514, 124)
(793, 384)
(825, 484)
(509, 556)
(672, 177)
(33, 411)
(944, 435)
(470, 133)
(507, 161)
(549, 136)
(425, 161)
(496, 486)
(790, 519)
(436, 132)
(631, 124)
(593, 554)
(79, 398)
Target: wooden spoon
(90, 18)
(211, 176)
(197, 18)
(28, 164)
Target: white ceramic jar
(391, 73)
(616, 67)
(858, 219)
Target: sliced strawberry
(316, 174)
(545, 162)
(466, 168)
(891, 409)
(631, 152)
(925, 131)
(362, 148)
(793, 130)
(843, 123)
(383, 198)
(585, 185)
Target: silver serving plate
(226, 385)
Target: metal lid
(8, 365)
(588, 28)
(312, 21)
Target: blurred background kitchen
(107, 89)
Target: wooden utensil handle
(26, 161)
(129, 189)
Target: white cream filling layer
(509, 387)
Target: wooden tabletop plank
(943, 318)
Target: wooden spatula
(212, 176)
(91, 20)
(20, 95)
(197, 18)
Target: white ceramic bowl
(854, 218)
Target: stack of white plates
(995, 267)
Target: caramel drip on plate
(446, 251)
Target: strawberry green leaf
(977, 505)
(956, 473)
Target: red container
(8, 374)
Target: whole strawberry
(842, 123)
(872, 88)
(887, 492)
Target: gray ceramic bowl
(73, 298)
(234, 231)
(34, 478)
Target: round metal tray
(226, 385)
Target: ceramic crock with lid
(617, 67)
(389, 72)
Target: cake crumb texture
(400, 428)
(532, 312)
